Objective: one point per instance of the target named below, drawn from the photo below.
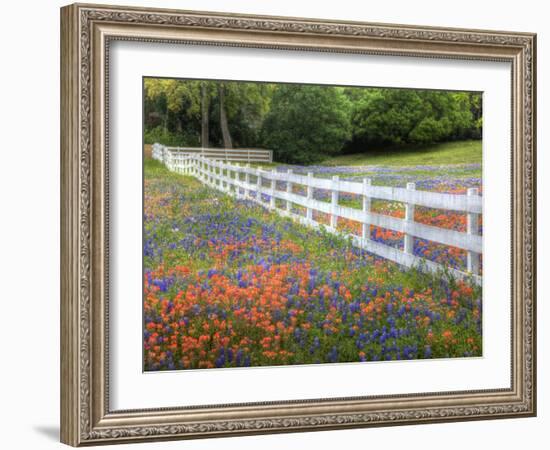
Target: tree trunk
(165, 121)
(223, 119)
(205, 104)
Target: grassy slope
(448, 153)
(458, 152)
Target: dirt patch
(147, 151)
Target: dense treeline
(304, 123)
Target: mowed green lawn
(457, 152)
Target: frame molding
(86, 31)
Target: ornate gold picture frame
(87, 31)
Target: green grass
(457, 152)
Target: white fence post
(225, 175)
(289, 191)
(334, 202)
(472, 227)
(259, 185)
(237, 180)
(272, 192)
(365, 226)
(169, 161)
(234, 183)
(199, 168)
(309, 187)
(247, 181)
(212, 171)
(409, 216)
(229, 172)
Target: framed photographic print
(273, 224)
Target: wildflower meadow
(229, 283)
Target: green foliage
(178, 95)
(409, 116)
(160, 134)
(306, 123)
(172, 110)
(246, 107)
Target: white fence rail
(247, 182)
(224, 154)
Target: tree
(410, 116)
(205, 110)
(476, 108)
(305, 122)
(245, 105)
(181, 101)
(226, 135)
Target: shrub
(165, 137)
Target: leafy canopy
(305, 123)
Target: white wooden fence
(247, 182)
(225, 154)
